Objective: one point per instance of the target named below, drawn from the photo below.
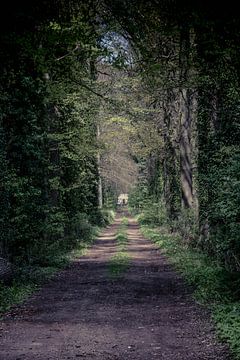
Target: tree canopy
(101, 97)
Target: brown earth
(84, 313)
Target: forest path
(84, 313)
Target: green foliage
(48, 150)
(13, 295)
(137, 197)
(124, 221)
(224, 181)
(102, 217)
(50, 110)
(187, 226)
(109, 195)
(218, 160)
(80, 228)
(119, 262)
(149, 210)
(121, 239)
(227, 320)
(153, 213)
(108, 215)
(213, 285)
(211, 281)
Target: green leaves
(48, 127)
(119, 262)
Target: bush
(81, 227)
(213, 284)
(227, 319)
(186, 225)
(14, 294)
(102, 217)
(153, 213)
(224, 207)
(108, 216)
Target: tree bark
(100, 190)
(185, 150)
(185, 121)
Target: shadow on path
(84, 313)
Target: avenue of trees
(103, 97)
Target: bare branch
(80, 83)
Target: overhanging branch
(80, 83)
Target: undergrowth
(29, 277)
(213, 285)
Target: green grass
(124, 221)
(119, 262)
(121, 241)
(213, 285)
(14, 294)
(227, 320)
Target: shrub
(102, 217)
(153, 213)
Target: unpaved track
(83, 313)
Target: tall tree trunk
(185, 121)
(185, 150)
(170, 164)
(100, 190)
(93, 75)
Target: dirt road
(84, 313)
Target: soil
(84, 313)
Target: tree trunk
(170, 166)
(100, 190)
(185, 150)
(185, 121)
